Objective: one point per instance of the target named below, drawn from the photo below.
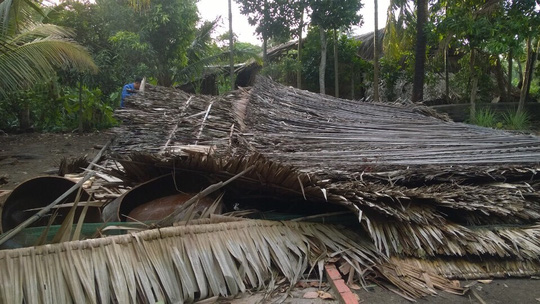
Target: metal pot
(157, 198)
(38, 193)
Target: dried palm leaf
(455, 268)
(175, 264)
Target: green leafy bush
(517, 120)
(97, 110)
(49, 108)
(391, 71)
(486, 118)
(283, 71)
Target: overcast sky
(210, 9)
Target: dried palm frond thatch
(176, 264)
(313, 131)
(457, 268)
(421, 187)
(367, 47)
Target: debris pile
(416, 197)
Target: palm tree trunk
(446, 67)
(446, 75)
(499, 76)
(24, 116)
(533, 63)
(265, 35)
(265, 49)
(299, 59)
(474, 86)
(231, 47)
(80, 105)
(352, 83)
(336, 65)
(376, 56)
(420, 55)
(526, 77)
(509, 84)
(520, 74)
(322, 66)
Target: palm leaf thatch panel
(179, 264)
(439, 220)
(266, 175)
(470, 269)
(420, 185)
(162, 119)
(366, 49)
(313, 131)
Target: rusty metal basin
(157, 198)
(37, 193)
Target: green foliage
(391, 72)
(311, 56)
(244, 51)
(511, 120)
(272, 18)
(486, 118)
(9, 112)
(97, 109)
(224, 84)
(94, 25)
(127, 43)
(30, 51)
(330, 14)
(351, 65)
(129, 50)
(400, 31)
(56, 109)
(283, 71)
(486, 84)
(200, 54)
(516, 120)
(168, 27)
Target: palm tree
(375, 56)
(420, 55)
(231, 47)
(201, 56)
(30, 51)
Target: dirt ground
(25, 156)
(28, 155)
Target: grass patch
(516, 120)
(486, 118)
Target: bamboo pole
(173, 131)
(203, 121)
(8, 235)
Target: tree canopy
(30, 50)
(480, 50)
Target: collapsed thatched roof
(425, 189)
(367, 47)
(422, 193)
(315, 132)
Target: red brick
(338, 285)
(349, 298)
(341, 287)
(332, 272)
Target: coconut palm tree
(31, 51)
(376, 54)
(420, 54)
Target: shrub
(486, 118)
(517, 120)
